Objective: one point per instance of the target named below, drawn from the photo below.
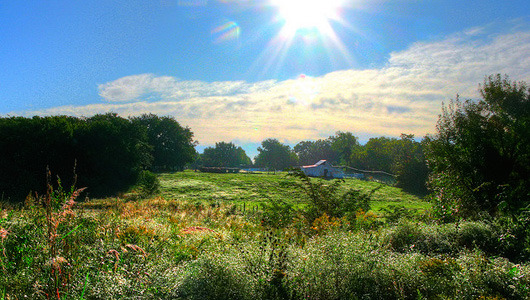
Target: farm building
(322, 169)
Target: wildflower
(57, 262)
(3, 233)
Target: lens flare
(225, 32)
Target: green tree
(336, 149)
(172, 145)
(111, 152)
(410, 166)
(310, 152)
(327, 198)
(28, 146)
(377, 154)
(344, 144)
(275, 155)
(480, 155)
(224, 155)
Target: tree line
(402, 156)
(478, 161)
(105, 153)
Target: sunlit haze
(308, 14)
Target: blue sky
(231, 71)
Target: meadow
(250, 236)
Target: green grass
(243, 187)
(255, 188)
(189, 242)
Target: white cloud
(142, 87)
(404, 96)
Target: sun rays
(306, 34)
(307, 14)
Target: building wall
(319, 171)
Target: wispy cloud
(148, 86)
(404, 96)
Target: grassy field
(193, 240)
(256, 188)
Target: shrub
(443, 239)
(394, 213)
(277, 213)
(325, 199)
(514, 235)
(148, 183)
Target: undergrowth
(164, 247)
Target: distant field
(255, 188)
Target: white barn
(322, 169)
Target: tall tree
(344, 144)
(480, 155)
(275, 155)
(377, 154)
(172, 145)
(224, 155)
(410, 166)
(309, 152)
(111, 152)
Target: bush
(514, 236)
(325, 199)
(443, 239)
(277, 213)
(148, 183)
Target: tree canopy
(336, 149)
(172, 145)
(275, 155)
(309, 152)
(108, 152)
(480, 155)
(224, 155)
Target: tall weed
(323, 197)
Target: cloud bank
(404, 96)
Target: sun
(306, 27)
(307, 14)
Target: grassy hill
(256, 188)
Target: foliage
(28, 146)
(224, 155)
(325, 199)
(410, 166)
(480, 156)
(377, 154)
(336, 149)
(277, 213)
(443, 239)
(174, 247)
(514, 240)
(148, 183)
(309, 152)
(403, 157)
(344, 143)
(275, 155)
(172, 145)
(109, 152)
